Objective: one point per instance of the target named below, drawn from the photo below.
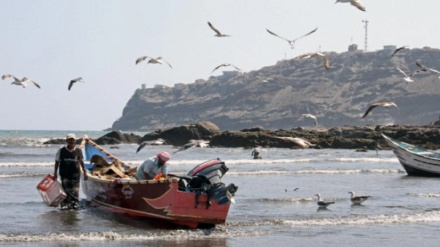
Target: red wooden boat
(198, 199)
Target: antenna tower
(366, 35)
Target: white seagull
(321, 203)
(226, 65)
(158, 141)
(355, 3)
(310, 116)
(357, 200)
(158, 60)
(424, 68)
(217, 32)
(291, 41)
(193, 143)
(23, 82)
(298, 141)
(315, 54)
(384, 104)
(399, 49)
(406, 77)
(5, 76)
(80, 79)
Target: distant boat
(415, 160)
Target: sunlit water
(402, 210)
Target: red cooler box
(51, 191)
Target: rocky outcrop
(274, 97)
(113, 137)
(345, 137)
(180, 135)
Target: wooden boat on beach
(197, 199)
(415, 160)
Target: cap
(164, 156)
(70, 136)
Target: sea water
(402, 210)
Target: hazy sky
(54, 41)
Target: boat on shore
(416, 161)
(197, 199)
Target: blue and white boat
(416, 161)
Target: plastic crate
(51, 191)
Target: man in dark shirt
(69, 161)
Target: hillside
(274, 97)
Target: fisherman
(154, 167)
(69, 160)
(256, 153)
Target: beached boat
(416, 161)
(198, 199)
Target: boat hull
(415, 160)
(155, 199)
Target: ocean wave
(23, 174)
(317, 171)
(430, 216)
(173, 235)
(243, 173)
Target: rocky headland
(275, 97)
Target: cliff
(274, 97)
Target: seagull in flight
(357, 200)
(80, 79)
(291, 41)
(158, 141)
(384, 104)
(217, 32)
(158, 60)
(23, 82)
(5, 76)
(226, 65)
(406, 77)
(424, 68)
(399, 49)
(321, 203)
(310, 116)
(193, 143)
(315, 54)
(355, 3)
(298, 141)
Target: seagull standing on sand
(321, 203)
(217, 32)
(384, 104)
(399, 49)
(406, 77)
(80, 79)
(291, 41)
(357, 200)
(226, 65)
(310, 116)
(315, 54)
(355, 3)
(158, 60)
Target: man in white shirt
(153, 166)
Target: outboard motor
(206, 178)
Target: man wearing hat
(69, 161)
(153, 167)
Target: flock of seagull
(355, 200)
(23, 82)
